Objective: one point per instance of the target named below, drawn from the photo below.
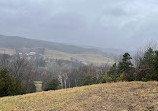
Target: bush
(53, 84)
(30, 87)
(150, 77)
(123, 77)
(105, 79)
(89, 80)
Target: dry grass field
(85, 58)
(122, 96)
(7, 51)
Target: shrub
(123, 77)
(105, 79)
(89, 80)
(53, 84)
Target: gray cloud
(125, 24)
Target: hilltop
(122, 96)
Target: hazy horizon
(118, 24)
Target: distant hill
(14, 42)
(122, 96)
(8, 44)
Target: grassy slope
(136, 96)
(96, 59)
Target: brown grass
(122, 96)
(85, 58)
(7, 51)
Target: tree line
(17, 75)
(142, 67)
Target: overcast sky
(124, 24)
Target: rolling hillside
(122, 96)
(96, 59)
(8, 44)
(14, 42)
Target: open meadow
(121, 96)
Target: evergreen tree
(149, 57)
(146, 70)
(125, 65)
(148, 61)
(125, 68)
(113, 72)
(9, 85)
(155, 65)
